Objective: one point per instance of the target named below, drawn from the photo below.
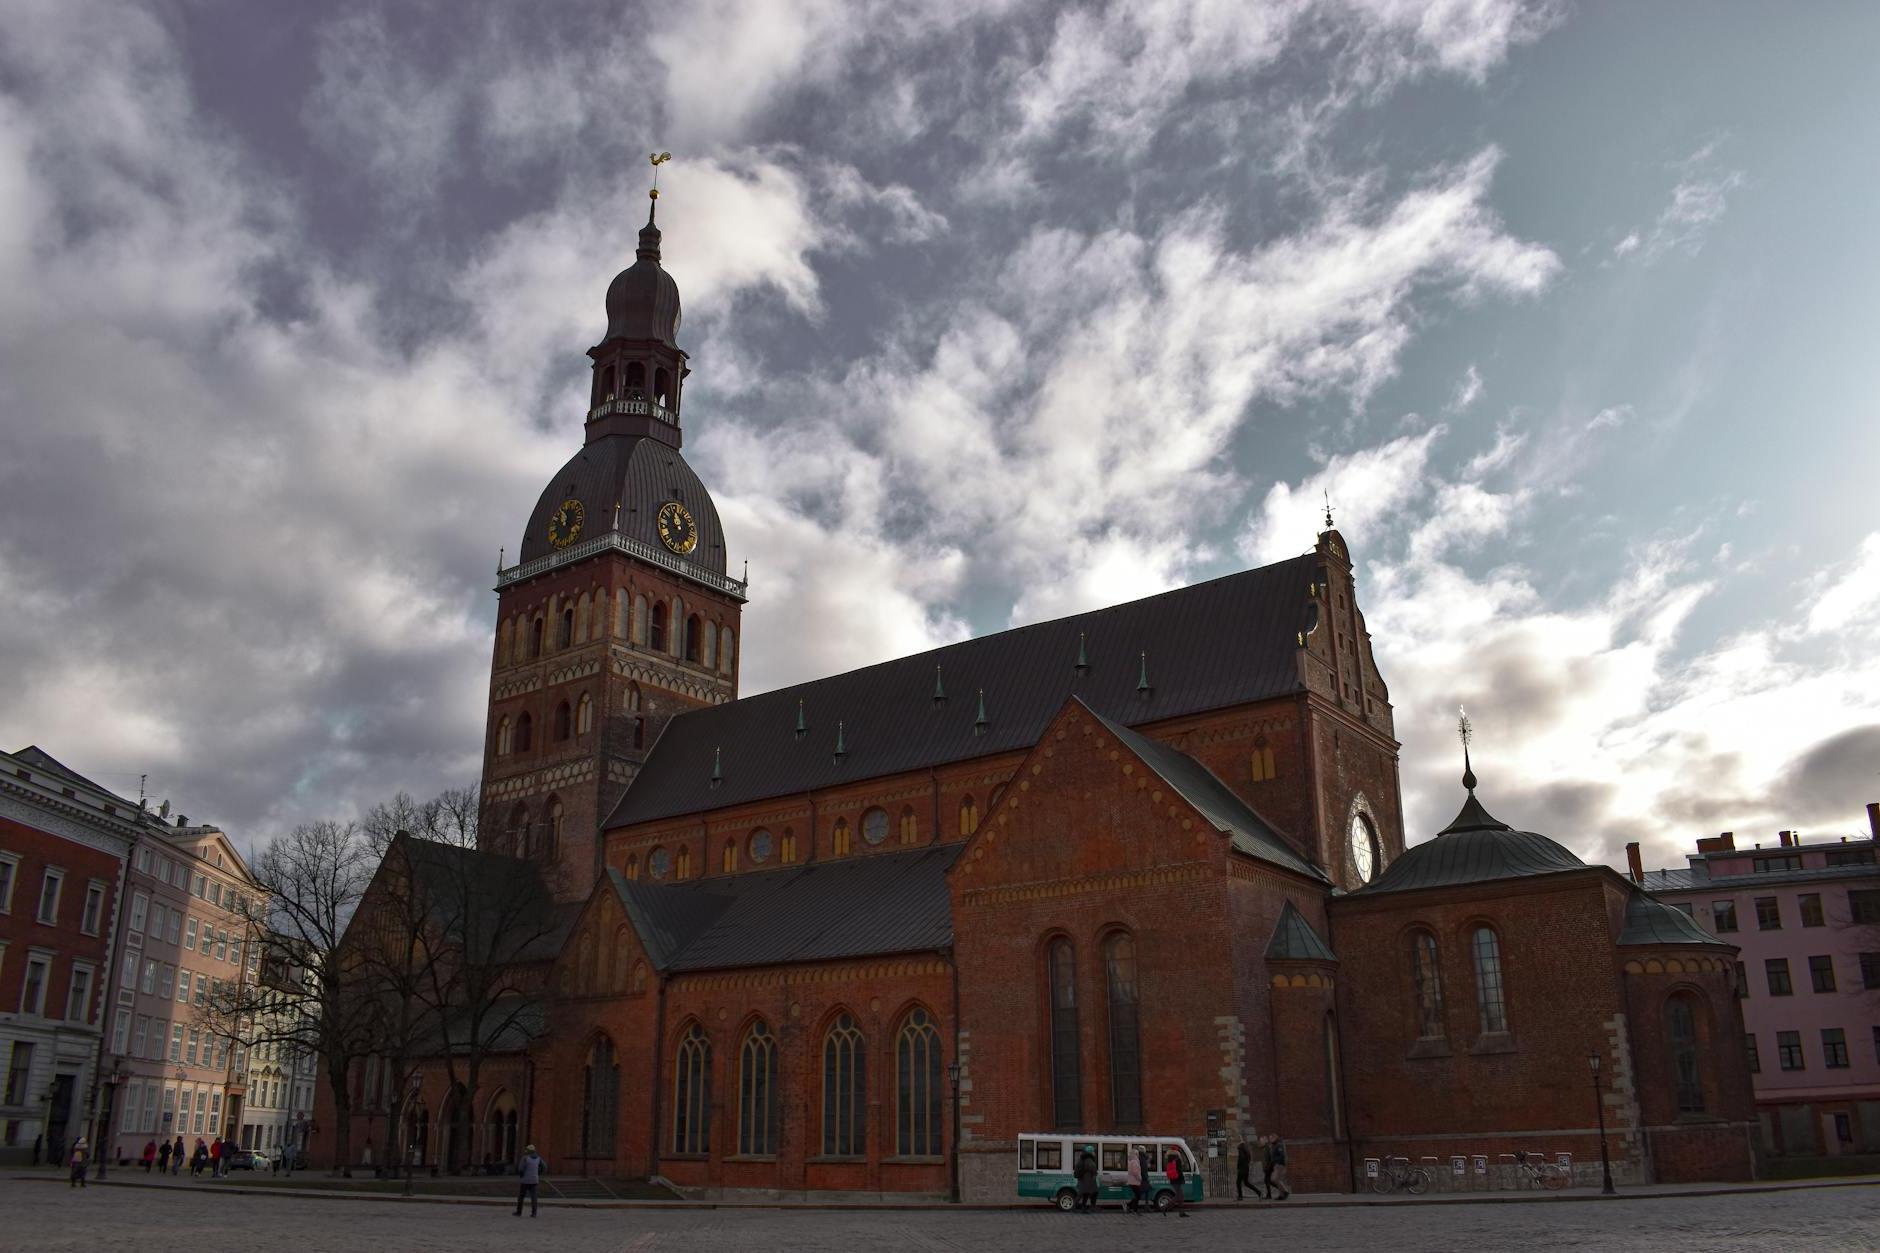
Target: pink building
(1805, 916)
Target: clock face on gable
(564, 525)
(676, 528)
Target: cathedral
(1142, 870)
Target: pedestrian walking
(81, 1158)
(198, 1158)
(1266, 1164)
(1174, 1172)
(1279, 1167)
(215, 1159)
(150, 1154)
(288, 1152)
(1135, 1182)
(1243, 1167)
(163, 1158)
(1086, 1182)
(530, 1168)
(176, 1158)
(1145, 1165)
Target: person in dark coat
(81, 1158)
(1086, 1182)
(163, 1158)
(1147, 1165)
(1243, 1166)
(1277, 1172)
(176, 1157)
(530, 1168)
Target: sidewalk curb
(1332, 1201)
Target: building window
(1067, 1103)
(910, 827)
(1821, 972)
(601, 1106)
(1723, 916)
(1119, 965)
(1811, 910)
(564, 721)
(1870, 971)
(1488, 991)
(758, 1099)
(1681, 1029)
(49, 886)
(762, 846)
(1850, 857)
(969, 816)
(1261, 763)
(90, 920)
(786, 850)
(140, 910)
(728, 861)
(726, 644)
(19, 1072)
(875, 825)
(639, 733)
(584, 715)
(1427, 977)
(839, 839)
(1863, 906)
(525, 733)
(505, 737)
(78, 995)
(1777, 969)
(692, 1098)
(659, 863)
(1834, 1048)
(566, 636)
(1844, 1128)
(682, 864)
(9, 872)
(657, 637)
(1789, 1050)
(917, 1098)
(189, 936)
(1751, 1055)
(694, 640)
(1783, 861)
(536, 630)
(1768, 914)
(845, 1091)
(33, 985)
(1742, 981)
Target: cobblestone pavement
(47, 1217)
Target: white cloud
(1468, 391)
(1698, 202)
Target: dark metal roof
(1199, 786)
(1649, 921)
(35, 756)
(1669, 880)
(1295, 940)
(1475, 848)
(641, 474)
(862, 906)
(495, 903)
(1688, 880)
(643, 300)
(1215, 644)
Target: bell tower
(619, 612)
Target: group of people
(1140, 1169)
(1272, 1166)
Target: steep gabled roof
(1216, 644)
(1650, 921)
(1295, 940)
(1214, 800)
(39, 758)
(863, 906)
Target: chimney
(1787, 838)
(1633, 862)
(1724, 843)
(1873, 819)
(181, 821)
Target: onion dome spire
(1466, 732)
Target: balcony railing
(636, 407)
(626, 544)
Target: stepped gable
(1295, 940)
(1225, 642)
(1214, 800)
(824, 911)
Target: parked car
(246, 1159)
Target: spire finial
(1083, 657)
(802, 727)
(841, 742)
(718, 767)
(980, 723)
(616, 515)
(658, 159)
(1328, 510)
(501, 552)
(939, 688)
(1142, 675)
(1466, 731)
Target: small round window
(760, 846)
(659, 865)
(875, 826)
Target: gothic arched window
(535, 637)
(1427, 979)
(682, 864)
(786, 847)
(525, 733)
(519, 829)
(639, 620)
(1681, 1035)
(917, 1076)
(728, 861)
(969, 816)
(633, 698)
(584, 715)
(566, 637)
(694, 642)
(505, 737)
(692, 1095)
(845, 1090)
(633, 867)
(657, 638)
(910, 828)
(636, 380)
(1067, 1102)
(564, 721)
(758, 1098)
(505, 641)
(839, 840)
(1119, 966)
(600, 1108)
(584, 619)
(726, 644)
(1488, 989)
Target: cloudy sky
(997, 311)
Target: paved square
(47, 1217)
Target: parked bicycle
(1538, 1172)
(1397, 1174)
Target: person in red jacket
(1175, 1181)
(150, 1155)
(215, 1158)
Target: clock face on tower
(1363, 847)
(564, 525)
(676, 528)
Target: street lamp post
(103, 1148)
(953, 1166)
(1599, 1108)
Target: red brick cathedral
(1142, 869)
